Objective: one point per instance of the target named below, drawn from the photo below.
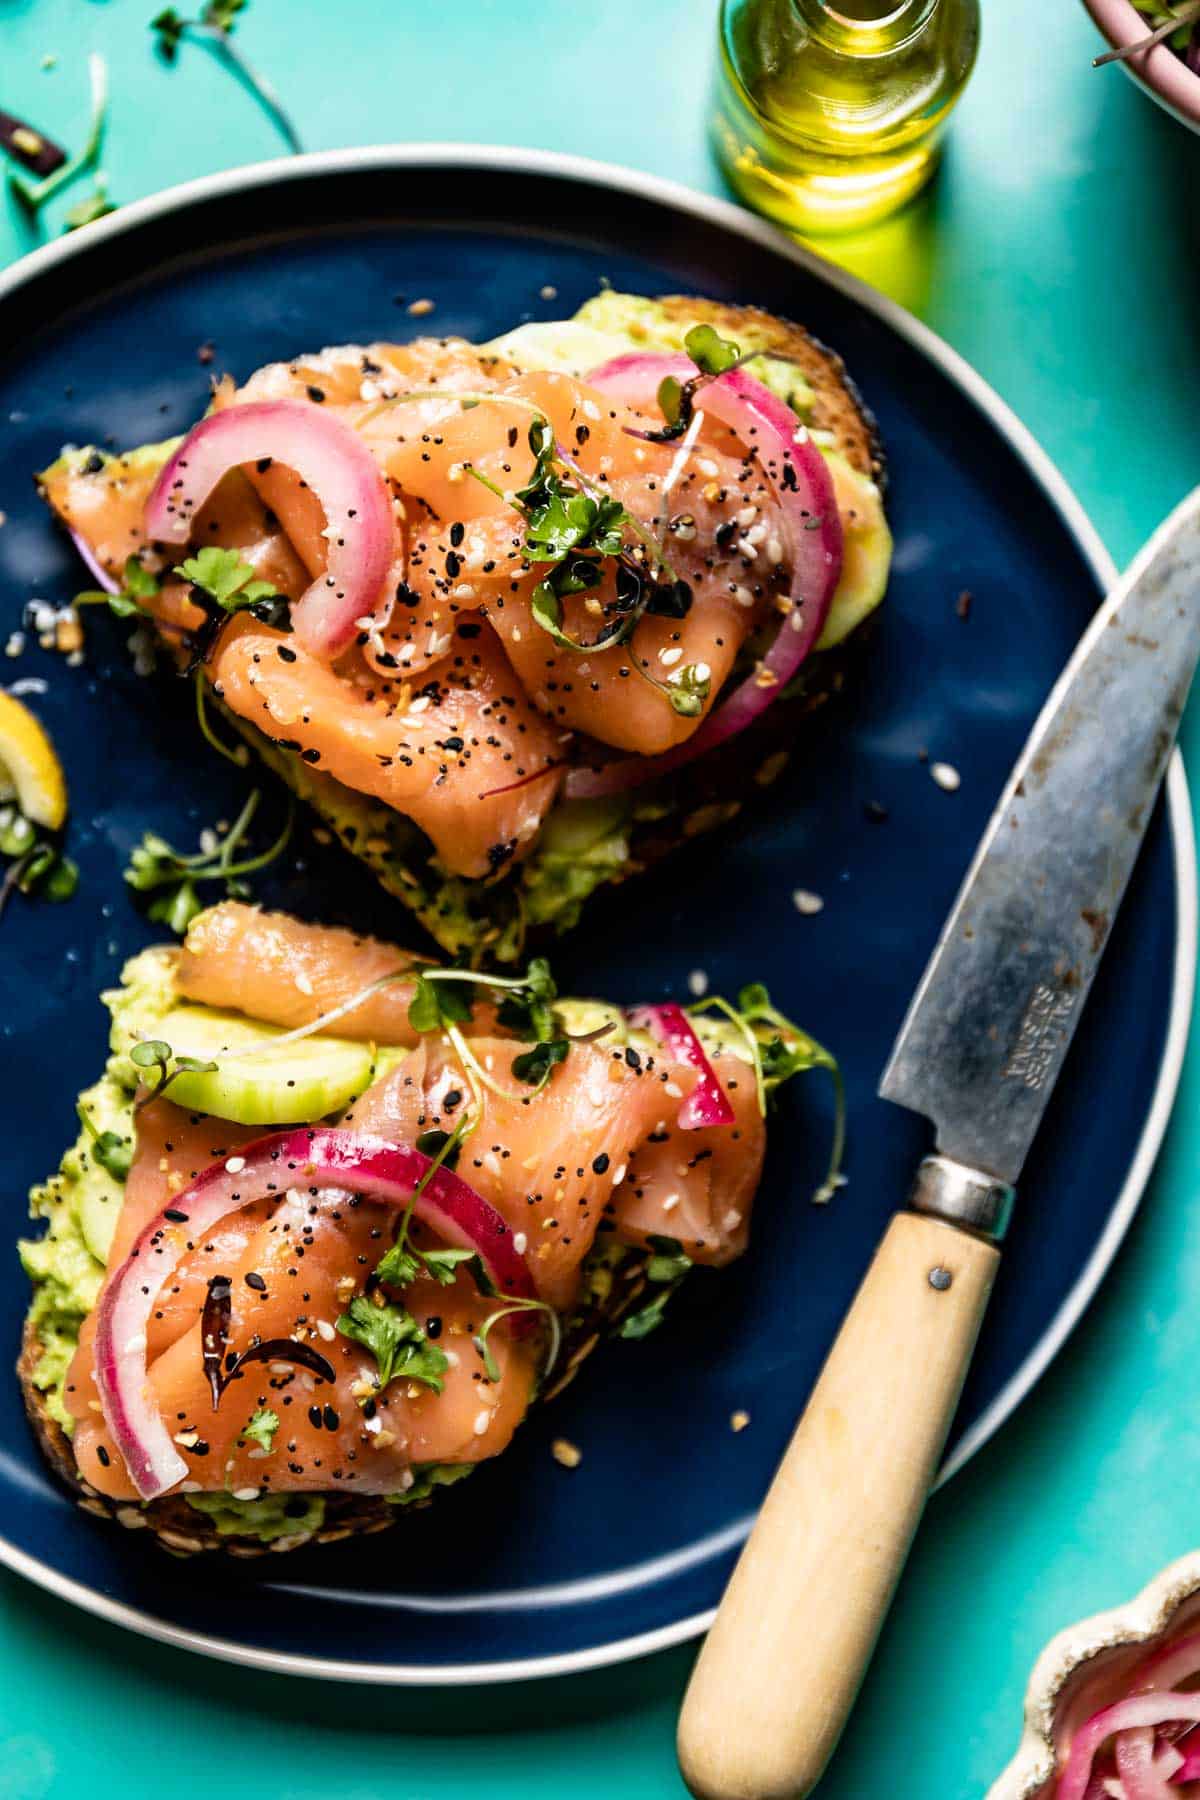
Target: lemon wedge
(30, 771)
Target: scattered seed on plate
(738, 1421)
(420, 308)
(549, 292)
(946, 776)
(698, 983)
(806, 902)
(565, 1452)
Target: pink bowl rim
(1164, 73)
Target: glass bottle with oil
(828, 113)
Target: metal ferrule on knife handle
(969, 1198)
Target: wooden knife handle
(780, 1669)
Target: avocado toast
(337, 1217)
(613, 578)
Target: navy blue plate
(528, 1567)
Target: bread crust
(838, 407)
(182, 1531)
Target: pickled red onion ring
(669, 1025)
(766, 426)
(330, 459)
(312, 1157)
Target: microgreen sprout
(137, 584)
(110, 1150)
(215, 26)
(527, 1010)
(666, 1267)
(512, 1304)
(33, 195)
(777, 1049)
(156, 1054)
(174, 879)
(239, 754)
(38, 868)
(401, 1264)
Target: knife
(978, 1055)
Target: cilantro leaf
(396, 1341)
(443, 1264)
(226, 578)
(261, 1427)
(399, 1266)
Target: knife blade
(992, 1019)
(978, 1054)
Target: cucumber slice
(288, 1085)
(98, 1205)
(868, 551)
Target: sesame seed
(420, 308)
(565, 1452)
(946, 776)
(806, 902)
(235, 1165)
(246, 1493)
(698, 983)
(483, 1419)
(738, 1421)
(520, 1243)
(325, 1330)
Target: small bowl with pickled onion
(1112, 1710)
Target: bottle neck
(863, 27)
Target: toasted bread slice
(584, 846)
(182, 1530)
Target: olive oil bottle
(828, 113)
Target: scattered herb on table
(215, 26)
(33, 195)
(37, 867)
(174, 879)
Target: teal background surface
(1057, 254)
